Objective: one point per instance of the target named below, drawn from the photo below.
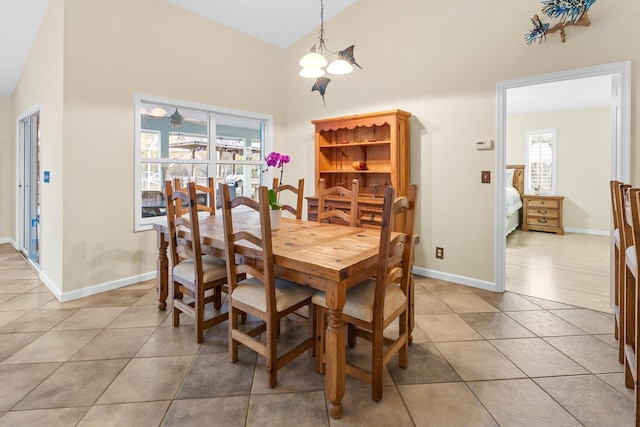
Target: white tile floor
(478, 358)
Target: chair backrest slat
(299, 192)
(260, 264)
(633, 196)
(395, 256)
(614, 203)
(184, 248)
(205, 197)
(326, 212)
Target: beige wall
(441, 61)
(438, 60)
(156, 49)
(584, 168)
(108, 56)
(7, 166)
(41, 84)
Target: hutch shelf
(372, 148)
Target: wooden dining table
(328, 257)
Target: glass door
(31, 186)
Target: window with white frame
(541, 170)
(176, 139)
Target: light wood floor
(570, 268)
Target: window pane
(150, 144)
(178, 141)
(239, 143)
(541, 161)
(192, 146)
(151, 179)
(174, 132)
(155, 174)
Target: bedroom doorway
(618, 165)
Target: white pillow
(509, 177)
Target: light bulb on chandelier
(313, 63)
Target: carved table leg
(163, 271)
(335, 360)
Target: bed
(513, 199)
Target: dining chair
(205, 195)
(619, 264)
(192, 273)
(329, 213)
(299, 192)
(632, 309)
(206, 202)
(372, 305)
(262, 295)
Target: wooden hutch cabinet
(372, 148)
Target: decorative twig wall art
(570, 12)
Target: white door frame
(20, 179)
(620, 137)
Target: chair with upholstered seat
(329, 213)
(617, 191)
(371, 306)
(206, 202)
(631, 237)
(262, 295)
(299, 193)
(191, 272)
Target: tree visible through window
(541, 168)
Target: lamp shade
(340, 66)
(313, 60)
(311, 73)
(158, 112)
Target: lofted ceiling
(19, 22)
(278, 22)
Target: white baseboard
(583, 231)
(103, 287)
(84, 292)
(51, 285)
(467, 281)
(8, 240)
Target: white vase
(276, 215)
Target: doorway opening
(29, 187)
(619, 75)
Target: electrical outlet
(439, 252)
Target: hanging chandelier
(313, 63)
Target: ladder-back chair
(371, 306)
(262, 295)
(191, 272)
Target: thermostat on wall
(484, 144)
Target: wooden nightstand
(542, 213)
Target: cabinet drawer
(542, 211)
(542, 222)
(540, 203)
